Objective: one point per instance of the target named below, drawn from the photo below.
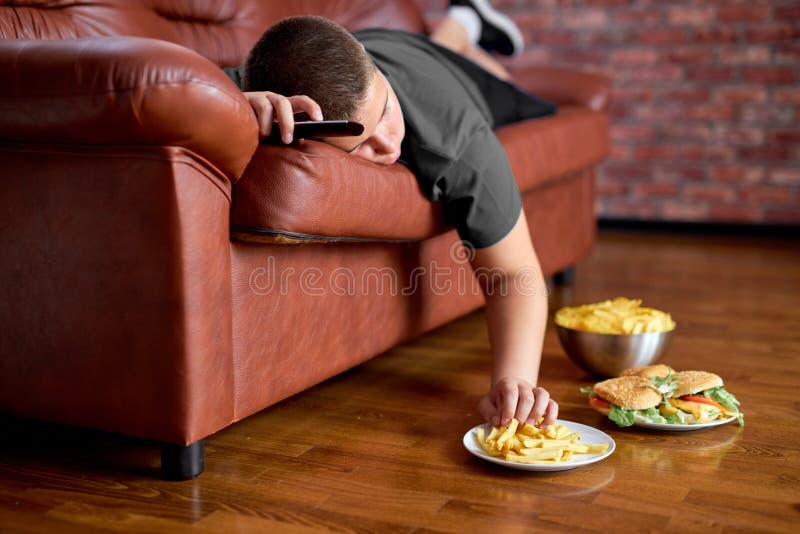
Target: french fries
(530, 445)
(618, 316)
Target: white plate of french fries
(565, 445)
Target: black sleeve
(235, 74)
(479, 194)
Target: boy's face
(383, 126)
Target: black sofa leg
(565, 277)
(182, 462)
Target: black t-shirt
(449, 143)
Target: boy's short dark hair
(312, 56)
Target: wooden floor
(378, 449)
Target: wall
(706, 101)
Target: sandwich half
(625, 398)
(700, 397)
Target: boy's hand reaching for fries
(516, 398)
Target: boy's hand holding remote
(271, 108)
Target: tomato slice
(599, 402)
(703, 400)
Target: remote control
(318, 129)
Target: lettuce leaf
(666, 385)
(724, 397)
(680, 418)
(683, 418)
(672, 419)
(651, 415)
(621, 416)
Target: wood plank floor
(378, 449)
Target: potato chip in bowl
(618, 316)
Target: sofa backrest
(221, 30)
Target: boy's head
(316, 57)
(312, 56)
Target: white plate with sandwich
(656, 397)
(676, 427)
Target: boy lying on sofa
(430, 103)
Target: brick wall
(706, 114)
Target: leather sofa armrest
(565, 86)
(320, 192)
(124, 91)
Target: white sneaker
(498, 32)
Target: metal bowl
(609, 354)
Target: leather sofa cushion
(319, 192)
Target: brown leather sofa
(162, 275)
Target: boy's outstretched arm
(516, 311)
